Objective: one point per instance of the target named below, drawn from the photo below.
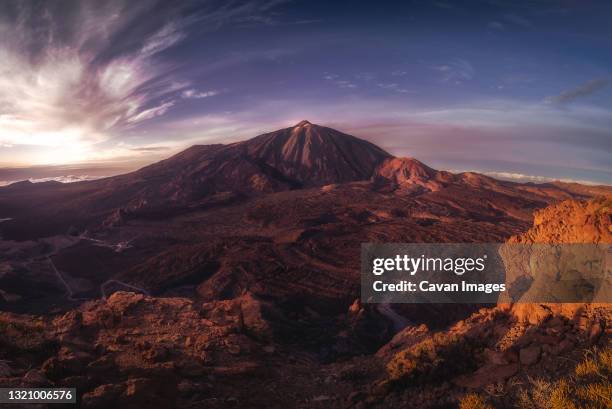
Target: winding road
(61, 278)
(399, 322)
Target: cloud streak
(581, 91)
(456, 71)
(75, 75)
(520, 177)
(60, 179)
(194, 94)
(339, 81)
(66, 83)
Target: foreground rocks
(497, 349)
(242, 350)
(132, 350)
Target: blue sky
(518, 89)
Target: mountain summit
(302, 156)
(305, 155)
(313, 155)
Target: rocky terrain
(228, 276)
(132, 350)
(207, 177)
(200, 177)
(522, 355)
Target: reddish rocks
(355, 306)
(411, 175)
(69, 324)
(278, 271)
(5, 370)
(252, 313)
(564, 346)
(35, 378)
(103, 396)
(139, 359)
(156, 354)
(595, 332)
(120, 301)
(571, 221)
(496, 357)
(141, 392)
(530, 355)
(533, 314)
(486, 375)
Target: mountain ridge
(304, 156)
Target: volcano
(237, 266)
(313, 155)
(304, 156)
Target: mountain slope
(409, 173)
(571, 221)
(300, 157)
(304, 155)
(531, 349)
(275, 277)
(315, 155)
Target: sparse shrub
(524, 400)
(598, 395)
(441, 356)
(21, 334)
(605, 360)
(560, 396)
(596, 364)
(586, 368)
(606, 205)
(589, 388)
(417, 359)
(540, 393)
(474, 401)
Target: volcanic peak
(302, 123)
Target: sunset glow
(98, 81)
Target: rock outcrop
(505, 346)
(571, 221)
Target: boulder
(104, 396)
(530, 355)
(595, 332)
(490, 373)
(5, 370)
(252, 311)
(35, 378)
(120, 301)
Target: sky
(516, 89)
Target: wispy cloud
(195, 94)
(520, 177)
(158, 110)
(578, 92)
(61, 179)
(339, 82)
(76, 75)
(518, 20)
(457, 71)
(495, 25)
(395, 87)
(151, 149)
(75, 86)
